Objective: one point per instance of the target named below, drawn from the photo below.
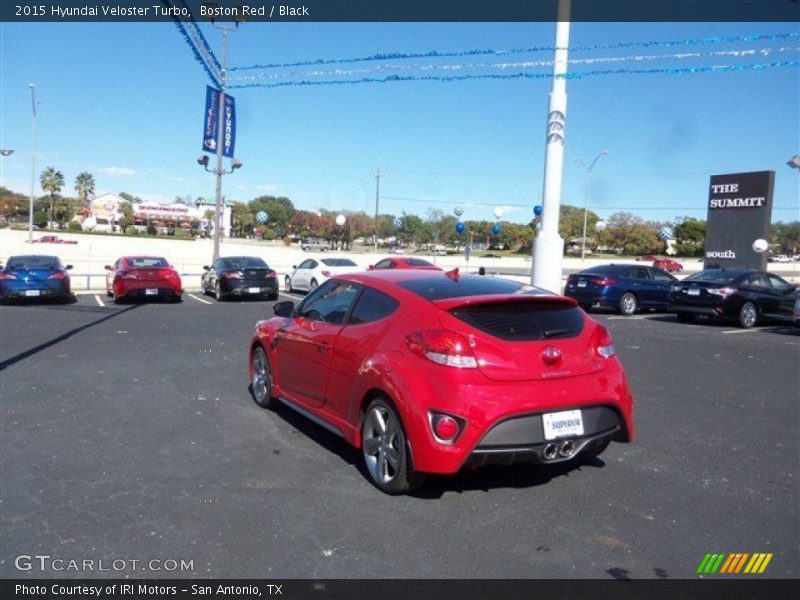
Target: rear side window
(338, 262)
(441, 287)
(418, 262)
(372, 306)
(524, 321)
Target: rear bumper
(594, 299)
(695, 309)
(242, 287)
(138, 289)
(19, 290)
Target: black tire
(748, 315)
(628, 304)
(685, 317)
(220, 297)
(377, 451)
(287, 284)
(313, 285)
(261, 380)
(586, 307)
(109, 293)
(272, 297)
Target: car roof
(612, 268)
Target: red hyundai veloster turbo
(142, 277)
(427, 372)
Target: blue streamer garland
(198, 55)
(573, 75)
(484, 51)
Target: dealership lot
(128, 432)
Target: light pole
(377, 202)
(586, 196)
(220, 170)
(33, 162)
(548, 247)
(794, 162)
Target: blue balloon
(460, 227)
(537, 210)
(496, 229)
(262, 216)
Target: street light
(586, 196)
(794, 162)
(33, 162)
(5, 152)
(235, 164)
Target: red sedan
(669, 265)
(403, 262)
(427, 372)
(143, 277)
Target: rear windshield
(338, 262)
(33, 262)
(244, 262)
(602, 269)
(143, 261)
(442, 287)
(524, 321)
(714, 275)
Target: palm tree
(51, 181)
(84, 185)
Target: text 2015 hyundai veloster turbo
(427, 372)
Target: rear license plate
(581, 284)
(694, 292)
(561, 424)
(254, 290)
(151, 292)
(33, 293)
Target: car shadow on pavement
(778, 327)
(482, 479)
(60, 338)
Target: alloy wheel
(627, 304)
(748, 315)
(382, 445)
(262, 379)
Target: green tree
(127, 215)
(628, 234)
(786, 236)
(570, 224)
(12, 204)
(243, 218)
(51, 181)
(84, 185)
(690, 236)
(280, 210)
(130, 198)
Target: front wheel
(627, 304)
(287, 284)
(383, 444)
(748, 315)
(261, 380)
(218, 292)
(685, 317)
(313, 285)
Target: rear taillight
(327, 274)
(605, 343)
(170, 273)
(4, 275)
(445, 428)
(723, 291)
(58, 275)
(128, 275)
(604, 281)
(233, 275)
(442, 347)
(270, 275)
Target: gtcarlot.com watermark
(46, 562)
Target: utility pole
(218, 172)
(377, 202)
(548, 247)
(33, 163)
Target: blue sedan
(35, 276)
(624, 288)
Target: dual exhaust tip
(563, 449)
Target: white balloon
(760, 245)
(600, 226)
(498, 213)
(340, 220)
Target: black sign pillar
(739, 213)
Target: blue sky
(125, 101)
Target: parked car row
(744, 296)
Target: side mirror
(206, 268)
(294, 266)
(283, 309)
(108, 268)
(68, 267)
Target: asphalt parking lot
(128, 432)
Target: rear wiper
(554, 332)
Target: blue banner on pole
(211, 123)
(210, 120)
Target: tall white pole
(548, 247)
(33, 164)
(220, 142)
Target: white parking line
(740, 331)
(631, 318)
(199, 299)
(99, 300)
